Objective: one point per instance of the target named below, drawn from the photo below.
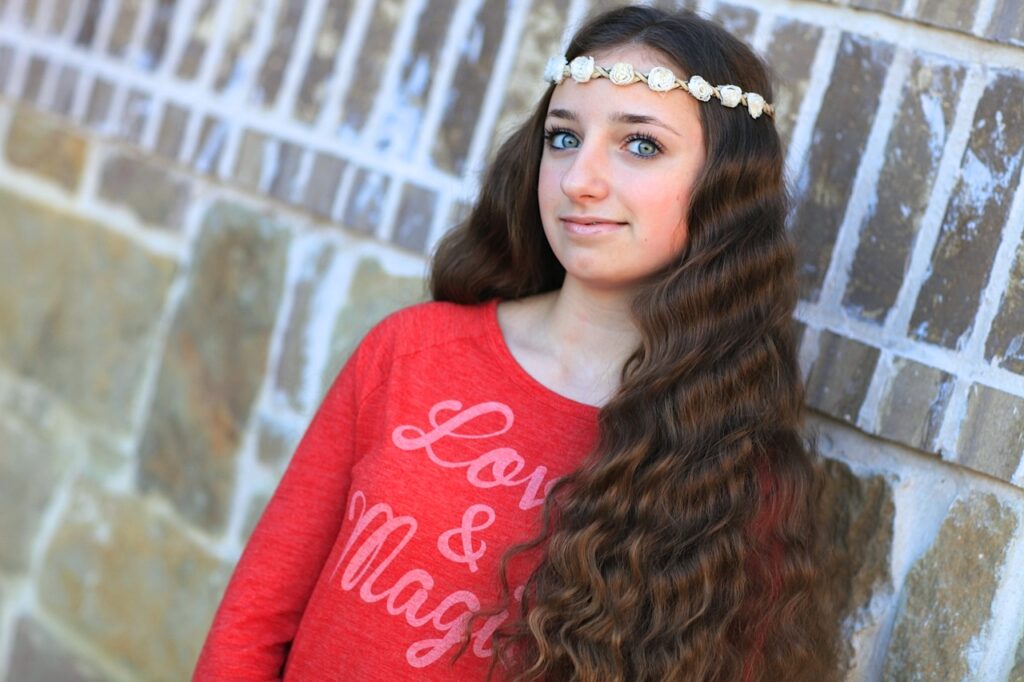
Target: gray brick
(415, 213)
(124, 26)
(326, 45)
(911, 412)
(992, 435)
(837, 147)
(33, 79)
(64, 93)
(282, 184)
(462, 108)
(791, 53)
(187, 67)
(172, 131)
(249, 164)
(365, 206)
(6, 57)
(154, 194)
(212, 136)
(975, 216)
(958, 16)
(87, 31)
(159, 29)
(40, 656)
(737, 20)
(1007, 24)
(239, 41)
(840, 376)
(271, 71)
(322, 186)
(1005, 344)
(912, 155)
(98, 109)
(137, 109)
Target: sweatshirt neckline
(525, 379)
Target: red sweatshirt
(430, 454)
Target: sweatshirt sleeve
(264, 601)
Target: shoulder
(426, 325)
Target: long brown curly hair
(686, 546)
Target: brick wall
(206, 204)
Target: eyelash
(549, 134)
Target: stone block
(373, 294)
(79, 305)
(975, 216)
(472, 76)
(212, 367)
(1005, 343)
(541, 38)
(249, 164)
(199, 37)
(172, 131)
(30, 468)
(365, 206)
(40, 656)
(857, 515)
(98, 109)
(156, 195)
(322, 185)
(1007, 23)
(270, 75)
(912, 155)
(415, 214)
(286, 170)
(212, 135)
(737, 20)
(946, 599)
(373, 60)
(131, 583)
(399, 129)
(320, 67)
(42, 145)
(914, 404)
(958, 16)
(992, 434)
(837, 147)
(840, 376)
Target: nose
(587, 174)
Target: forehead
(601, 95)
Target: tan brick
(326, 45)
(791, 54)
(840, 376)
(992, 434)
(912, 409)
(79, 306)
(857, 514)
(912, 155)
(271, 71)
(111, 561)
(841, 132)
(40, 656)
(958, 16)
(946, 600)
(155, 194)
(415, 214)
(1005, 344)
(975, 216)
(44, 146)
(210, 371)
(370, 66)
(472, 76)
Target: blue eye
(645, 147)
(565, 139)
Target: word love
(491, 469)
(361, 565)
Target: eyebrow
(617, 117)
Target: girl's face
(624, 158)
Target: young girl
(581, 461)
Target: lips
(589, 224)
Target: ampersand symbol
(470, 553)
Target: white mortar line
(441, 81)
(44, 14)
(389, 213)
(341, 196)
(982, 16)
(818, 81)
(269, 163)
(183, 23)
(242, 90)
(390, 81)
(140, 31)
(762, 33)
(494, 97)
(864, 190)
(213, 52)
(19, 71)
(909, 8)
(810, 345)
(575, 15)
(302, 175)
(190, 135)
(999, 277)
(881, 379)
(956, 414)
(342, 71)
(298, 58)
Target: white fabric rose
(582, 68)
(554, 72)
(700, 88)
(730, 95)
(661, 79)
(621, 73)
(755, 104)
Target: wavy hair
(686, 546)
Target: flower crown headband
(659, 79)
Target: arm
(260, 612)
